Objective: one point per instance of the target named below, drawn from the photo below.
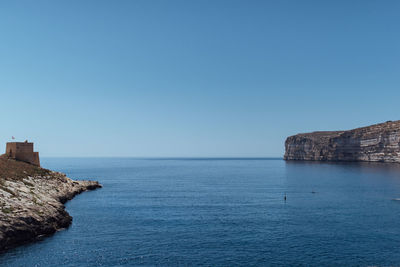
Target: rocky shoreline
(375, 143)
(32, 201)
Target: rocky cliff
(379, 143)
(31, 201)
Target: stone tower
(23, 151)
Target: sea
(224, 212)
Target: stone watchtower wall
(23, 152)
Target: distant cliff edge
(377, 143)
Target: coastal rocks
(377, 143)
(31, 201)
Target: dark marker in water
(284, 198)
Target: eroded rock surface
(378, 143)
(31, 201)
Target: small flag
(12, 137)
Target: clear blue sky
(193, 78)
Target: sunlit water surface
(224, 212)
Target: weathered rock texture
(379, 143)
(31, 201)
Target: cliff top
(12, 169)
(386, 126)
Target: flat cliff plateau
(31, 201)
(375, 143)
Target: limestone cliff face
(31, 201)
(379, 143)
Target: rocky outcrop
(31, 201)
(378, 143)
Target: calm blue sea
(224, 212)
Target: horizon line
(163, 157)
